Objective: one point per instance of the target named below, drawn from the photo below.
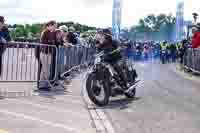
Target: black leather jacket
(111, 58)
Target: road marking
(3, 131)
(128, 111)
(108, 126)
(101, 114)
(49, 123)
(101, 121)
(142, 64)
(99, 126)
(105, 121)
(44, 106)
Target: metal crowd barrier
(73, 58)
(34, 62)
(192, 60)
(21, 62)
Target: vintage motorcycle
(103, 81)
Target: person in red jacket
(196, 37)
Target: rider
(104, 42)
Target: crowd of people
(56, 36)
(52, 35)
(140, 50)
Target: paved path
(44, 112)
(166, 103)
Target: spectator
(72, 29)
(48, 35)
(168, 52)
(64, 30)
(4, 38)
(196, 37)
(182, 50)
(59, 37)
(48, 54)
(173, 52)
(71, 38)
(61, 34)
(146, 51)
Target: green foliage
(34, 30)
(152, 26)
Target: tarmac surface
(24, 111)
(167, 102)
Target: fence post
(39, 65)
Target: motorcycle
(104, 81)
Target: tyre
(131, 94)
(95, 87)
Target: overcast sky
(91, 12)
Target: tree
(150, 22)
(21, 31)
(35, 29)
(162, 24)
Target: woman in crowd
(47, 55)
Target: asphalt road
(165, 103)
(25, 111)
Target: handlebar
(116, 50)
(102, 53)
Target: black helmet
(106, 32)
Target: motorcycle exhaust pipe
(131, 88)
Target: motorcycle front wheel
(98, 90)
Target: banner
(116, 18)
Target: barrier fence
(192, 60)
(20, 62)
(32, 62)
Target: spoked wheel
(97, 90)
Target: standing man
(173, 50)
(4, 38)
(182, 50)
(146, 52)
(163, 47)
